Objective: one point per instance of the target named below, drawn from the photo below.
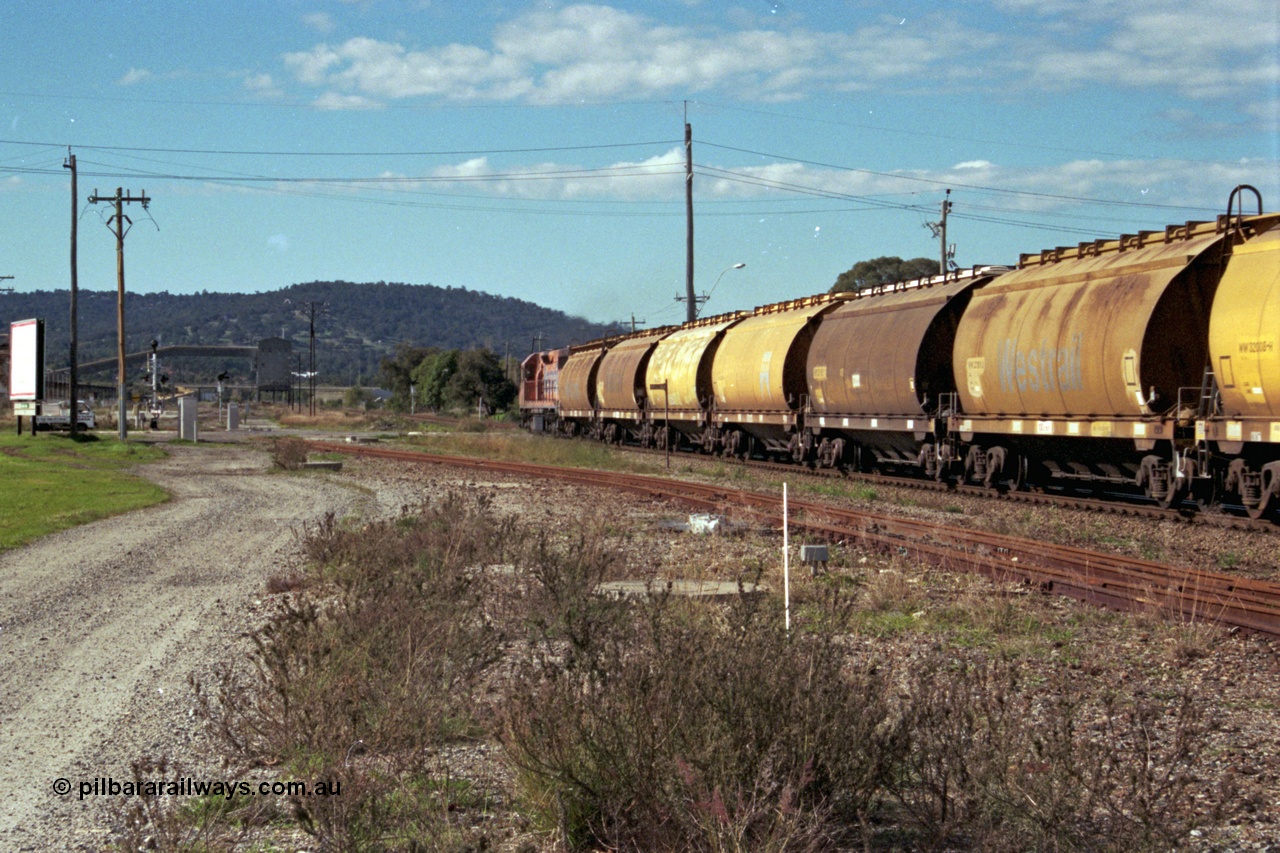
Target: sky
(535, 149)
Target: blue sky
(534, 149)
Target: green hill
(359, 324)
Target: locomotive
(1147, 363)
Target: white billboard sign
(26, 360)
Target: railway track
(1123, 583)
(1131, 506)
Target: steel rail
(1115, 581)
(1132, 507)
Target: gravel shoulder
(101, 626)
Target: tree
(432, 377)
(396, 373)
(883, 270)
(479, 376)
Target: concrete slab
(685, 588)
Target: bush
(665, 725)
(288, 453)
(360, 684)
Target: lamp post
(707, 298)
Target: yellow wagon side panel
(752, 372)
(1087, 335)
(1244, 330)
(679, 361)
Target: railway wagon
(679, 378)
(621, 395)
(879, 375)
(540, 389)
(1148, 361)
(1237, 428)
(578, 412)
(758, 382)
(1086, 365)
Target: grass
(53, 482)
(539, 450)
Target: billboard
(26, 360)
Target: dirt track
(101, 625)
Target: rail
(1119, 582)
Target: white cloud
(321, 22)
(262, 84)
(1221, 51)
(594, 52)
(279, 242)
(1202, 49)
(1048, 190)
(134, 75)
(335, 101)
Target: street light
(707, 298)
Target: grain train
(1148, 363)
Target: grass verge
(52, 482)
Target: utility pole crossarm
(120, 199)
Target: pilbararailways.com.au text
(189, 787)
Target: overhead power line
(440, 153)
(947, 182)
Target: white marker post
(786, 563)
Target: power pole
(942, 258)
(313, 308)
(691, 309)
(5, 289)
(122, 225)
(74, 390)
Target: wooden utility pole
(942, 259)
(122, 224)
(691, 306)
(73, 390)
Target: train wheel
(1265, 502)
(1175, 490)
(996, 458)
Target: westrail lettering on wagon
(1256, 347)
(1043, 367)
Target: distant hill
(359, 325)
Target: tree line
(447, 380)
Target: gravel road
(100, 627)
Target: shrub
(288, 453)
(383, 666)
(665, 725)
